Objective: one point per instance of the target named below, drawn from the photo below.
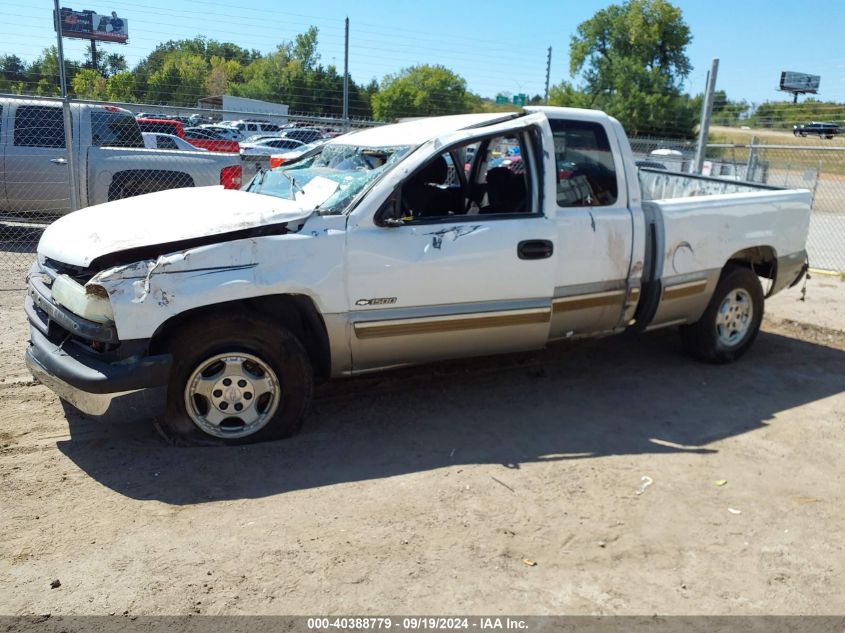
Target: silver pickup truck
(111, 160)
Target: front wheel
(731, 321)
(236, 380)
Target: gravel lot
(505, 485)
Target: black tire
(258, 343)
(703, 339)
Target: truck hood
(163, 217)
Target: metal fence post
(68, 123)
(706, 111)
(816, 184)
(751, 163)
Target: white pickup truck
(431, 239)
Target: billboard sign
(799, 82)
(93, 26)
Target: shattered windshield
(330, 178)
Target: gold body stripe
(684, 290)
(409, 327)
(582, 302)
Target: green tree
(632, 60)
(42, 75)
(89, 84)
(12, 68)
(223, 73)
(727, 112)
(421, 91)
(121, 87)
(181, 80)
(566, 95)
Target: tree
(121, 87)
(12, 68)
(727, 112)
(89, 84)
(224, 73)
(43, 73)
(566, 95)
(632, 60)
(421, 91)
(180, 80)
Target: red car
(195, 136)
(210, 141)
(162, 126)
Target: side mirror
(390, 214)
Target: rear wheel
(731, 321)
(236, 380)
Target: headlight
(89, 302)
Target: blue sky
(496, 46)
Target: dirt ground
(581, 479)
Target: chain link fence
(124, 150)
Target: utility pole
(345, 76)
(548, 72)
(706, 111)
(71, 161)
(94, 55)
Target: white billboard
(799, 82)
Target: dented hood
(162, 218)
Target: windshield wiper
(256, 187)
(293, 185)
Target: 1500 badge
(378, 301)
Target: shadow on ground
(615, 396)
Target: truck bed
(659, 184)
(699, 223)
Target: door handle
(59, 160)
(535, 249)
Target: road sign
(519, 100)
(501, 100)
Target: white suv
(250, 128)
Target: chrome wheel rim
(232, 395)
(733, 319)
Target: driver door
(461, 283)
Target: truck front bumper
(87, 383)
(61, 355)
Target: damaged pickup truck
(396, 245)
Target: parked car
(110, 156)
(260, 137)
(248, 127)
(304, 134)
(221, 131)
(162, 126)
(268, 146)
(827, 130)
(360, 258)
(206, 139)
(277, 160)
(168, 141)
